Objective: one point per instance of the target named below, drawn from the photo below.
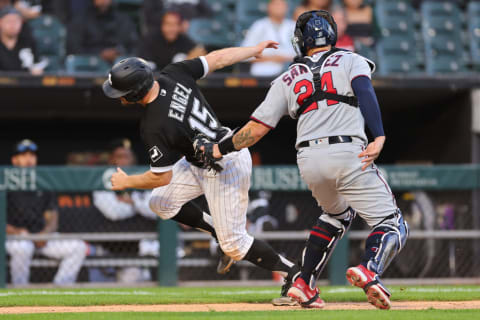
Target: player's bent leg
(324, 236)
(227, 196)
(21, 253)
(383, 244)
(167, 201)
(71, 254)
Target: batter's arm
(219, 59)
(246, 137)
(147, 180)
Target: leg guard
(321, 243)
(384, 243)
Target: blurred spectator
(17, 48)
(167, 43)
(344, 41)
(117, 206)
(122, 205)
(103, 31)
(5, 3)
(308, 5)
(274, 27)
(190, 9)
(30, 9)
(35, 212)
(359, 19)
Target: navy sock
(315, 249)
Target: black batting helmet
(129, 78)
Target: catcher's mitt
(206, 155)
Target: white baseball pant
(226, 193)
(70, 252)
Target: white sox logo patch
(155, 154)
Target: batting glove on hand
(203, 148)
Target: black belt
(331, 140)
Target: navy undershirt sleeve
(363, 89)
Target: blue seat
(473, 16)
(394, 17)
(218, 30)
(397, 55)
(50, 40)
(366, 51)
(86, 64)
(441, 30)
(211, 33)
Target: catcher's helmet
(130, 78)
(314, 29)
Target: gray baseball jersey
(324, 118)
(332, 172)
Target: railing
(275, 178)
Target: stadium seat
(50, 36)
(86, 64)
(441, 29)
(138, 3)
(216, 31)
(397, 55)
(55, 64)
(394, 17)
(473, 15)
(366, 51)
(211, 33)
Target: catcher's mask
(130, 78)
(314, 29)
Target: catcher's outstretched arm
(246, 137)
(219, 59)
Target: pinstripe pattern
(226, 193)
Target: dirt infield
(400, 305)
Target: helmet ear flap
(297, 40)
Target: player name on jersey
(178, 106)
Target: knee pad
(385, 242)
(325, 235)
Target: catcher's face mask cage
(313, 29)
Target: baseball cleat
(304, 295)
(224, 264)
(377, 294)
(284, 299)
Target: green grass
(83, 297)
(277, 315)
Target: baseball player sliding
(174, 112)
(329, 92)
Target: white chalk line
(213, 293)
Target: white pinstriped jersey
(324, 118)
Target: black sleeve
(50, 201)
(189, 68)
(162, 155)
(75, 36)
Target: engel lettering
(175, 115)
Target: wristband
(226, 146)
